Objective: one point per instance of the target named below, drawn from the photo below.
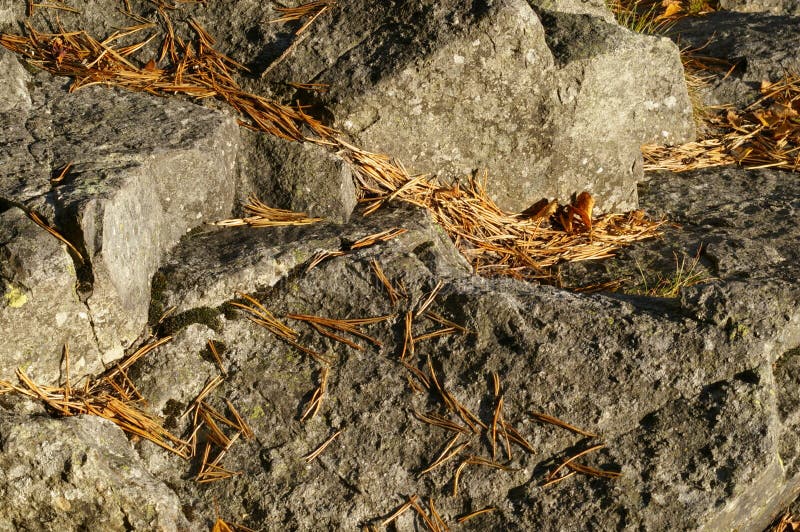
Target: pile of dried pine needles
(113, 396)
(495, 241)
(766, 134)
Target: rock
(40, 311)
(143, 172)
(775, 7)
(13, 92)
(299, 177)
(761, 46)
(442, 73)
(78, 473)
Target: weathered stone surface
(418, 81)
(775, 7)
(689, 397)
(143, 172)
(40, 310)
(299, 177)
(78, 473)
(761, 46)
(13, 90)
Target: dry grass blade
(262, 215)
(571, 459)
(465, 518)
(318, 451)
(44, 225)
(563, 424)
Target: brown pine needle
(495, 418)
(439, 319)
(317, 397)
(44, 225)
(217, 359)
(445, 455)
(427, 303)
(439, 421)
(434, 334)
(243, 427)
(557, 479)
(418, 374)
(318, 451)
(430, 525)
(437, 519)
(465, 518)
(569, 460)
(336, 337)
(399, 511)
(563, 424)
(262, 215)
(390, 290)
(322, 256)
(408, 338)
(350, 326)
(62, 174)
(593, 472)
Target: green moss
(203, 315)
(257, 412)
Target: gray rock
(13, 90)
(40, 310)
(761, 46)
(775, 7)
(75, 474)
(688, 397)
(418, 80)
(144, 172)
(301, 177)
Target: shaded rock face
(758, 47)
(775, 7)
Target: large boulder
(692, 396)
(143, 172)
(548, 103)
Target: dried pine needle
(563, 424)
(400, 511)
(465, 518)
(318, 451)
(571, 459)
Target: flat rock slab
(143, 171)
